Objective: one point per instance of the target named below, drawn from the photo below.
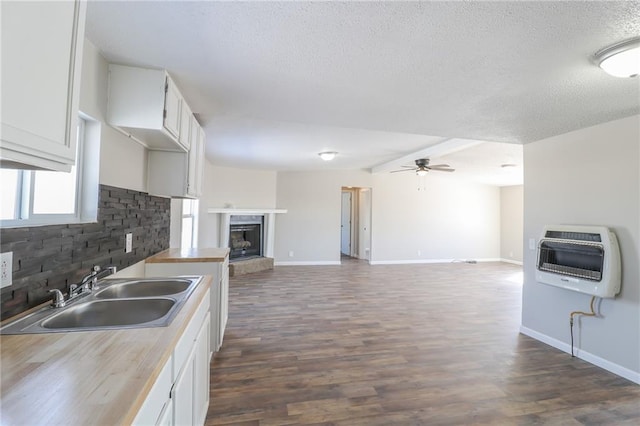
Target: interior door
(345, 224)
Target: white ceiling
(274, 83)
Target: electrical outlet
(128, 243)
(419, 252)
(6, 266)
(532, 243)
(290, 253)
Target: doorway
(355, 223)
(345, 223)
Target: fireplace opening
(245, 237)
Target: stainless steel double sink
(115, 304)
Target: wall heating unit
(580, 258)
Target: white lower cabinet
(201, 374)
(180, 394)
(191, 390)
(224, 301)
(166, 416)
(158, 400)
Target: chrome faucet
(90, 282)
(58, 298)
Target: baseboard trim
(419, 261)
(614, 368)
(514, 262)
(309, 263)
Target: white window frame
(193, 214)
(87, 175)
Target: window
(189, 224)
(43, 197)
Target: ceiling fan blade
(444, 170)
(435, 166)
(409, 167)
(405, 170)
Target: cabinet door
(185, 126)
(224, 285)
(183, 395)
(155, 406)
(172, 103)
(41, 64)
(166, 417)
(201, 374)
(192, 186)
(200, 162)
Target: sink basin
(144, 288)
(110, 313)
(117, 303)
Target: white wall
(590, 177)
(123, 162)
(446, 219)
(240, 188)
(311, 227)
(511, 222)
(451, 219)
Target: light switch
(6, 266)
(128, 243)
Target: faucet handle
(58, 298)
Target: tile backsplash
(56, 256)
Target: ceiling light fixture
(621, 59)
(328, 155)
(421, 172)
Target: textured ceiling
(274, 83)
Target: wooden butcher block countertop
(192, 255)
(89, 377)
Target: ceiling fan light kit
(422, 167)
(621, 59)
(328, 155)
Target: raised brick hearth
(249, 266)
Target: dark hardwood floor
(399, 345)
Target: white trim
(245, 211)
(418, 261)
(619, 370)
(514, 262)
(309, 263)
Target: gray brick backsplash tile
(57, 256)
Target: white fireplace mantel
(269, 230)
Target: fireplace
(245, 237)
(266, 217)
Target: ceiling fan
(422, 167)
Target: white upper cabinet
(178, 174)
(41, 64)
(196, 160)
(186, 117)
(172, 105)
(146, 104)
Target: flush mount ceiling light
(328, 155)
(621, 59)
